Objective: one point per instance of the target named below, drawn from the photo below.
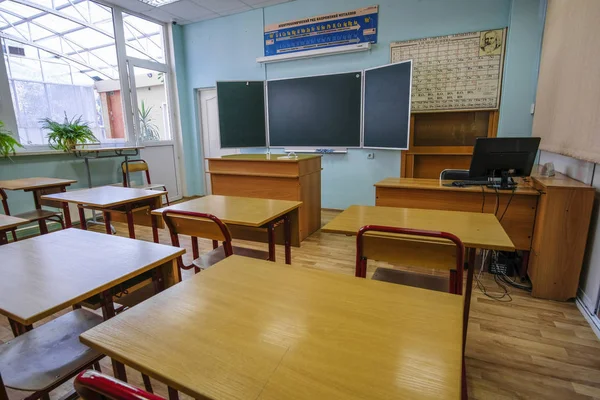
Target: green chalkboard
(242, 114)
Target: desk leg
(524, 266)
(67, 215)
(154, 220)
(66, 211)
(82, 221)
(287, 228)
(18, 328)
(468, 291)
(271, 236)
(108, 311)
(130, 222)
(38, 206)
(107, 222)
(3, 238)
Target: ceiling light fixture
(158, 3)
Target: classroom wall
(227, 48)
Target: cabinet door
(538, 232)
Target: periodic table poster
(454, 72)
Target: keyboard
(471, 183)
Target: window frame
(125, 65)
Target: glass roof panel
(57, 23)
(19, 9)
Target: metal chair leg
(147, 383)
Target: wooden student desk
(257, 175)
(548, 219)
(116, 203)
(249, 218)
(48, 273)
(39, 187)
(251, 329)
(8, 223)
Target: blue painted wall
(227, 48)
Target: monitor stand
(506, 183)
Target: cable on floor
(504, 296)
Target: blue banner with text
(337, 29)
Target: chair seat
(431, 282)
(211, 258)
(48, 354)
(37, 215)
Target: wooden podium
(272, 177)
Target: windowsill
(37, 152)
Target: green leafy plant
(66, 135)
(8, 144)
(148, 130)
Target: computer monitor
(503, 158)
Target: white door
(211, 139)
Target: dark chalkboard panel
(316, 111)
(242, 114)
(387, 106)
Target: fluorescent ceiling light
(158, 3)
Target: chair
(139, 166)
(209, 227)
(454, 174)
(437, 250)
(40, 360)
(93, 385)
(31, 216)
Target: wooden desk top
(263, 157)
(476, 230)
(45, 274)
(104, 196)
(558, 180)
(34, 183)
(434, 184)
(251, 329)
(237, 210)
(8, 222)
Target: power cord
(508, 204)
(503, 297)
(483, 198)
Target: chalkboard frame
(316, 147)
(364, 102)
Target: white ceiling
(187, 11)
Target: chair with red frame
(93, 385)
(440, 251)
(141, 166)
(207, 226)
(39, 360)
(31, 216)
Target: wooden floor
(523, 349)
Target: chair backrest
(454, 174)
(197, 225)
(92, 385)
(4, 199)
(135, 166)
(411, 247)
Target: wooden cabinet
(441, 140)
(560, 235)
(261, 176)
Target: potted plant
(148, 130)
(66, 135)
(7, 142)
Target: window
(62, 60)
